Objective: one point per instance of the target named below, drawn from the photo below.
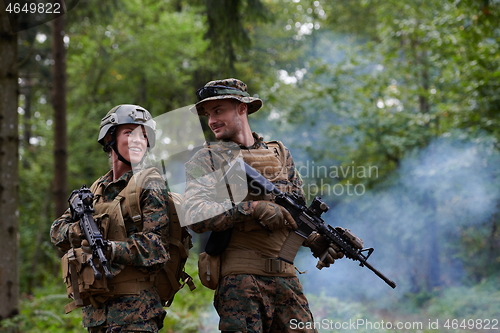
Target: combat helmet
(125, 114)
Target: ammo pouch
(79, 278)
(209, 270)
(91, 291)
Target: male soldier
(137, 248)
(256, 292)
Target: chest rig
(270, 162)
(125, 216)
(118, 218)
(80, 280)
(253, 250)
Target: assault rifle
(81, 207)
(308, 219)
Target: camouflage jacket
(144, 250)
(201, 190)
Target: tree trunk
(432, 225)
(432, 268)
(433, 249)
(59, 104)
(27, 92)
(9, 176)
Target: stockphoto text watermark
(435, 324)
(355, 324)
(322, 178)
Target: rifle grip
(291, 247)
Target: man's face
(131, 142)
(224, 118)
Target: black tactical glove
(320, 248)
(272, 216)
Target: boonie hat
(227, 89)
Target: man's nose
(211, 120)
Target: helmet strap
(107, 147)
(112, 144)
(120, 157)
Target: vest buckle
(274, 265)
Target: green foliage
(170, 43)
(479, 250)
(36, 207)
(479, 301)
(384, 96)
(227, 28)
(43, 311)
(391, 90)
(191, 311)
(106, 59)
(336, 309)
(476, 302)
(366, 83)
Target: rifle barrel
(380, 275)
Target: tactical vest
(253, 250)
(130, 281)
(271, 163)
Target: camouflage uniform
(145, 250)
(244, 302)
(269, 303)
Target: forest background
(390, 109)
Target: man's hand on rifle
(327, 253)
(86, 246)
(108, 250)
(75, 235)
(272, 216)
(77, 239)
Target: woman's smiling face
(131, 142)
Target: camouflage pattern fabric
(260, 304)
(201, 191)
(244, 302)
(146, 326)
(254, 103)
(144, 250)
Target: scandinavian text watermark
(338, 180)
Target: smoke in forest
(415, 221)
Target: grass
(192, 312)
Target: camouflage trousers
(145, 326)
(260, 304)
